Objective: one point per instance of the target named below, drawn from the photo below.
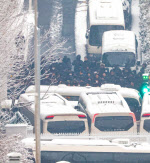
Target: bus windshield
(96, 32)
(84, 157)
(123, 59)
(66, 127)
(114, 123)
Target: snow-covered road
(135, 11)
(80, 28)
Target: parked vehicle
(82, 150)
(56, 114)
(119, 48)
(102, 16)
(145, 114)
(107, 112)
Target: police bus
(107, 112)
(120, 44)
(103, 15)
(56, 114)
(92, 151)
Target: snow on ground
(56, 22)
(80, 28)
(145, 32)
(135, 10)
(28, 31)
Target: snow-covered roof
(88, 145)
(118, 41)
(125, 92)
(51, 104)
(104, 103)
(56, 110)
(64, 90)
(106, 12)
(45, 98)
(129, 93)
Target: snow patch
(80, 28)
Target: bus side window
(134, 106)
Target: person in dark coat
(96, 83)
(126, 71)
(104, 78)
(101, 69)
(144, 65)
(78, 64)
(86, 63)
(117, 71)
(66, 63)
(113, 77)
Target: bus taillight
(81, 116)
(146, 115)
(50, 117)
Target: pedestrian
(112, 77)
(117, 71)
(101, 69)
(142, 70)
(78, 64)
(104, 78)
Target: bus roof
(118, 41)
(106, 12)
(86, 145)
(106, 102)
(65, 90)
(52, 104)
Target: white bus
(92, 151)
(103, 15)
(72, 93)
(120, 44)
(107, 112)
(56, 114)
(145, 114)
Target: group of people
(90, 73)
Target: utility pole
(37, 85)
(30, 5)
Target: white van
(57, 115)
(103, 15)
(107, 112)
(145, 114)
(122, 45)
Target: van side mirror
(87, 34)
(138, 63)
